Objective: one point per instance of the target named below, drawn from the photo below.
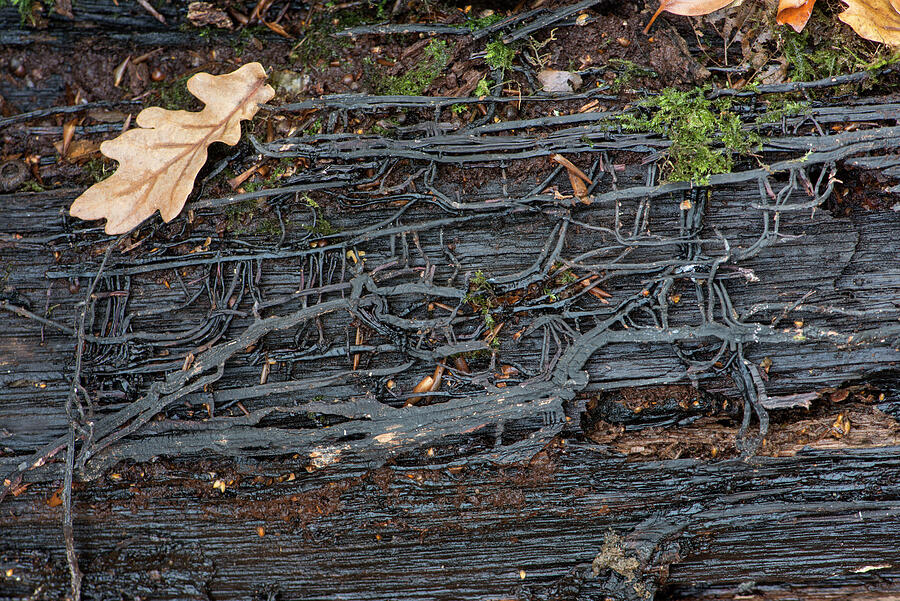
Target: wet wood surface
(288, 466)
(806, 525)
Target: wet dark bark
(229, 391)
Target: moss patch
(705, 134)
(26, 7)
(174, 95)
(826, 49)
(416, 80)
(499, 56)
(322, 226)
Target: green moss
(705, 134)
(499, 56)
(832, 51)
(481, 297)
(322, 226)
(564, 276)
(479, 281)
(26, 8)
(241, 213)
(780, 108)
(32, 186)
(174, 95)
(626, 72)
(319, 47)
(483, 88)
(248, 36)
(99, 169)
(269, 227)
(475, 23)
(315, 128)
(416, 80)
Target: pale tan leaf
(687, 8)
(876, 20)
(559, 81)
(794, 13)
(159, 160)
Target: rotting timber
(238, 406)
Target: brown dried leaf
(794, 13)
(68, 130)
(78, 150)
(876, 20)
(578, 187)
(64, 7)
(158, 164)
(577, 177)
(278, 29)
(687, 8)
(570, 167)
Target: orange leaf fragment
(876, 20)
(687, 8)
(794, 13)
(159, 161)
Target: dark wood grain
(321, 484)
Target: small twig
(149, 8)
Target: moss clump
(694, 125)
(781, 108)
(482, 298)
(270, 227)
(318, 47)
(499, 56)
(626, 73)
(830, 53)
(415, 81)
(240, 214)
(483, 88)
(26, 8)
(475, 23)
(322, 226)
(174, 95)
(32, 186)
(99, 169)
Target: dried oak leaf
(876, 20)
(158, 163)
(794, 13)
(687, 8)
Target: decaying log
(234, 400)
